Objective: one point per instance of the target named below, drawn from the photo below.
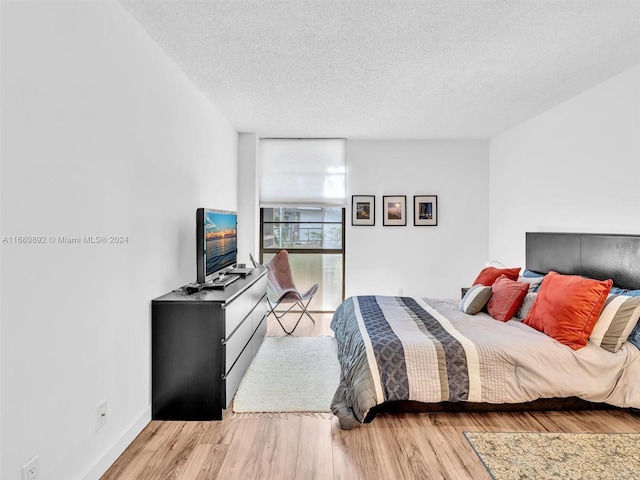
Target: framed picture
(425, 210)
(394, 209)
(363, 210)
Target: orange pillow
(567, 307)
(489, 275)
(506, 298)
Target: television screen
(217, 242)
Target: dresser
(201, 346)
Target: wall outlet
(31, 471)
(101, 415)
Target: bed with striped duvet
(404, 348)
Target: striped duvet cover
(404, 348)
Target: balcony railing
(294, 236)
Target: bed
(422, 354)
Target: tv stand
(202, 344)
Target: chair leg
(304, 312)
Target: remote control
(193, 288)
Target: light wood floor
(289, 446)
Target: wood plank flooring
(289, 446)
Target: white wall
(248, 196)
(573, 168)
(101, 135)
(423, 261)
(1, 266)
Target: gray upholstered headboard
(593, 255)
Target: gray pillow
(475, 299)
(634, 338)
(534, 282)
(526, 305)
(617, 320)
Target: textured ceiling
(392, 69)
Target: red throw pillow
(489, 275)
(506, 298)
(567, 307)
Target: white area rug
(290, 374)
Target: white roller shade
(302, 172)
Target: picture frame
(363, 210)
(425, 210)
(394, 209)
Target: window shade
(302, 172)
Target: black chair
(281, 288)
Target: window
(314, 238)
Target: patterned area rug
(290, 374)
(539, 456)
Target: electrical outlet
(101, 415)
(31, 471)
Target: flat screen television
(216, 242)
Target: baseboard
(103, 464)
